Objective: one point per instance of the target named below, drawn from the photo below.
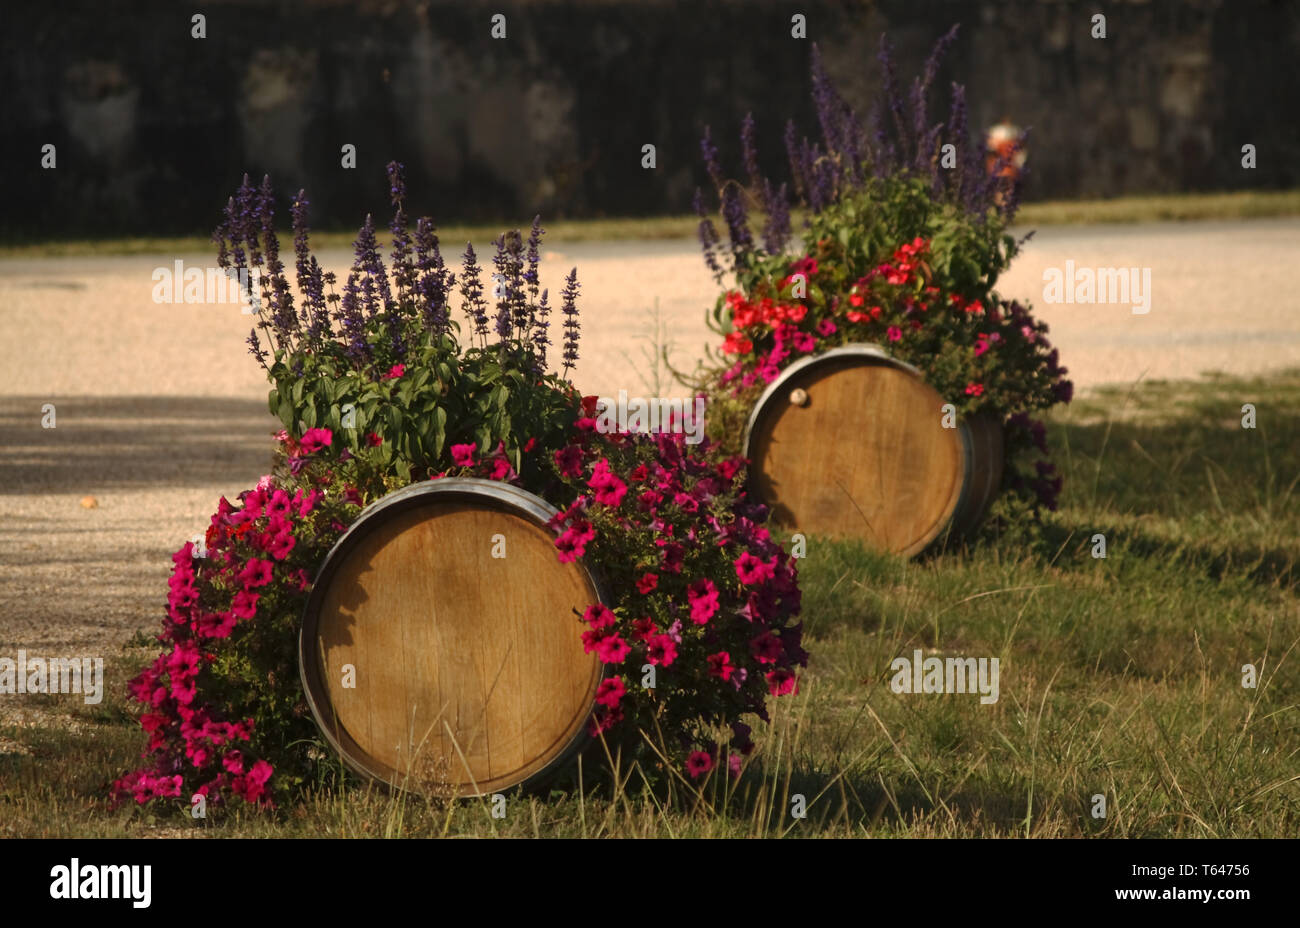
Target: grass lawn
(1119, 676)
(1162, 208)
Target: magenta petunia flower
(256, 572)
(603, 719)
(703, 597)
(281, 545)
(244, 605)
(894, 333)
(610, 490)
(463, 455)
(661, 650)
(233, 761)
(216, 624)
(610, 692)
(720, 665)
(644, 628)
(572, 542)
(313, 440)
(766, 648)
(751, 570)
(568, 461)
(612, 649)
(698, 764)
(278, 505)
(781, 681)
(598, 615)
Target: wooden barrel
(851, 443)
(441, 646)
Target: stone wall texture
(153, 128)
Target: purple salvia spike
(403, 268)
(569, 309)
(471, 291)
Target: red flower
(974, 389)
(736, 343)
(397, 370)
(647, 583)
(373, 440)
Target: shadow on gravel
(124, 442)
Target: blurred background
(153, 127)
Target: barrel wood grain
(470, 671)
(851, 444)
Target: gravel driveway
(160, 410)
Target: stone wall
(153, 128)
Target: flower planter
(852, 443)
(460, 627)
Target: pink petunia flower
(766, 648)
(244, 605)
(568, 461)
(612, 649)
(644, 628)
(720, 665)
(703, 598)
(572, 542)
(256, 572)
(661, 650)
(698, 764)
(315, 439)
(751, 570)
(598, 615)
(610, 692)
(463, 455)
(781, 681)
